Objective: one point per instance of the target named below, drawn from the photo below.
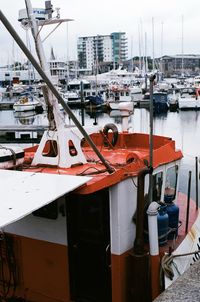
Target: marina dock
(7, 103)
(21, 133)
(185, 288)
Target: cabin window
(171, 184)
(157, 186)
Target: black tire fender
(115, 133)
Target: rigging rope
(167, 261)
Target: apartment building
(94, 51)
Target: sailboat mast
(139, 44)
(182, 51)
(153, 56)
(145, 47)
(161, 48)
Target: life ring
(114, 129)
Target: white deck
(24, 192)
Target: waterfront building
(58, 69)
(180, 64)
(26, 74)
(96, 51)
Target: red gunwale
(127, 158)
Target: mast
(142, 47)
(139, 44)
(145, 47)
(153, 58)
(55, 119)
(182, 65)
(96, 64)
(161, 47)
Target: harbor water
(181, 126)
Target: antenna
(57, 12)
(48, 9)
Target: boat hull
(24, 107)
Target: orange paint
(42, 270)
(44, 265)
(155, 276)
(119, 277)
(126, 158)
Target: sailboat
(73, 214)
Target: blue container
(173, 213)
(163, 225)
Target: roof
(24, 192)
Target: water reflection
(25, 118)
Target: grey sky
(92, 17)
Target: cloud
(94, 17)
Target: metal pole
(23, 47)
(152, 78)
(197, 184)
(188, 202)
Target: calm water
(183, 127)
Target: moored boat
(118, 94)
(74, 215)
(189, 99)
(27, 103)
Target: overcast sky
(175, 22)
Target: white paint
(40, 228)
(188, 245)
(24, 192)
(63, 137)
(152, 213)
(123, 199)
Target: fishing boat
(95, 101)
(73, 213)
(118, 94)
(161, 103)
